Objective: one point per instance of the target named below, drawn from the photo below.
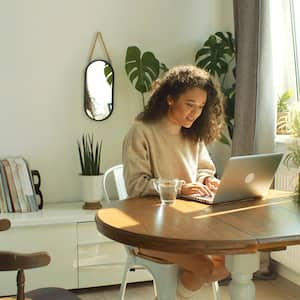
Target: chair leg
(20, 284)
(216, 290)
(155, 288)
(165, 278)
(123, 284)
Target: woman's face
(187, 108)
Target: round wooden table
(237, 229)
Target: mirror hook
(101, 43)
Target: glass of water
(167, 189)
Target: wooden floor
(279, 289)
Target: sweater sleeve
(136, 160)
(206, 167)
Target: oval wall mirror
(98, 90)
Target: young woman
(168, 140)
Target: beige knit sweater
(158, 150)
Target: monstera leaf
(142, 70)
(108, 72)
(216, 53)
(228, 42)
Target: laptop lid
(247, 176)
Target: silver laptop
(244, 177)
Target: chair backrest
(12, 261)
(117, 172)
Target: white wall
(43, 54)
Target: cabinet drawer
(89, 234)
(103, 253)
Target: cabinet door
(101, 261)
(61, 244)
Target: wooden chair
(165, 274)
(11, 261)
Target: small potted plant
(292, 160)
(283, 112)
(91, 176)
(294, 120)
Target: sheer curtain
(265, 69)
(276, 72)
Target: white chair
(165, 275)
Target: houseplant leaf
(108, 72)
(227, 40)
(89, 155)
(217, 52)
(212, 56)
(141, 69)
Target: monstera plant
(142, 69)
(217, 56)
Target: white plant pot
(92, 194)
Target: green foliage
(142, 69)
(297, 193)
(282, 103)
(294, 121)
(217, 56)
(292, 159)
(216, 53)
(89, 155)
(108, 72)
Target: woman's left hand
(212, 183)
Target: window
(295, 19)
(286, 44)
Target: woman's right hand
(195, 188)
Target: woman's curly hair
(207, 127)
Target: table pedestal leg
(242, 267)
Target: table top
(190, 227)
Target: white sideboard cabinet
(81, 257)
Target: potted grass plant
(91, 176)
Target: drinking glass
(167, 189)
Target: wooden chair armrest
(13, 298)
(4, 224)
(11, 261)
